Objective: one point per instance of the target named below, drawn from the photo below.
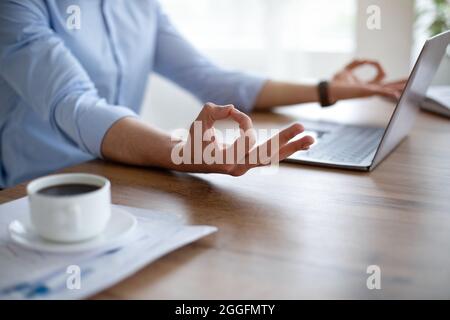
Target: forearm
(275, 93)
(132, 141)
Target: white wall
(392, 44)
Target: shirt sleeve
(36, 64)
(180, 62)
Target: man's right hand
(245, 155)
(132, 141)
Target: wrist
(334, 92)
(173, 154)
(339, 91)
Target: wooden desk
(305, 232)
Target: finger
(381, 74)
(287, 134)
(203, 125)
(388, 93)
(245, 125)
(270, 148)
(354, 64)
(397, 85)
(244, 121)
(396, 88)
(247, 137)
(279, 155)
(283, 137)
(212, 112)
(295, 146)
(237, 152)
(402, 81)
(360, 62)
(279, 139)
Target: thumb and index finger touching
(380, 75)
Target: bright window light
(287, 25)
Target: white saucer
(120, 225)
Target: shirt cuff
(95, 121)
(248, 92)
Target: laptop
(363, 148)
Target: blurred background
(296, 40)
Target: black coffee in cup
(70, 189)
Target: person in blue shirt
(70, 91)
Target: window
(319, 25)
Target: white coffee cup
(69, 218)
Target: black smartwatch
(324, 94)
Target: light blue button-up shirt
(64, 82)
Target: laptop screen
(405, 113)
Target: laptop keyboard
(349, 145)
